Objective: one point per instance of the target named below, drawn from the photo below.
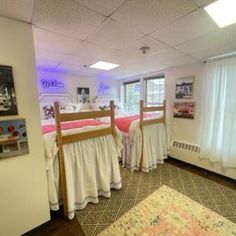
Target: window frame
(127, 83)
(161, 76)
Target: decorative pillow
(105, 107)
(48, 112)
(70, 107)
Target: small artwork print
(48, 112)
(184, 110)
(83, 95)
(7, 92)
(13, 138)
(184, 88)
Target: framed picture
(184, 88)
(184, 110)
(83, 95)
(7, 92)
(13, 138)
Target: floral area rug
(167, 212)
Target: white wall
(185, 130)
(71, 82)
(23, 186)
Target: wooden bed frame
(143, 122)
(61, 140)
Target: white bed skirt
(92, 169)
(154, 151)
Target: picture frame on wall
(184, 88)
(184, 110)
(13, 138)
(83, 95)
(8, 104)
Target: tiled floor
(138, 185)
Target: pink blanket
(124, 123)
(71, 125)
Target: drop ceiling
(70, 35)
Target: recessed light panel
(223, 12)
(102, 65)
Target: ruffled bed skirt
(92, 169)
(154, 151)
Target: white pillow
(70, 107)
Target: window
(132, 96)
(155, 90)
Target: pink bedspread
(71, 125)
(123, 123)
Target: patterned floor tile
(93, 217)
(219, 199)
(127, 204)
(101, 205)
(108, 217)
(207, 201)
(81, 215)
(233, 219)
(213, 207)
(88, 229)
(231, 199)
(114, 205)
(99, 228)
(226, 210)
(138, 185)
(120, 213)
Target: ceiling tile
(78, 70)
(203, 42)
(128, 55)
(149, 15)
(186, 28)
(46, 65)
(92, 50)
(114, 35)
(66, 17)
(48, 55)
(79, 61)
(230, 32)
(52, 41)
(179, 61)
(213, 51)
(105, 7)
(164, 57)
(132, 54)
(69, 68)
(17, 9)
(203, 2)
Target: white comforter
(155, 146)
(91, 166)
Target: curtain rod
(219, 57)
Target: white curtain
(218, 142)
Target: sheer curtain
(218, 141)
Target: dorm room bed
(144, 135)
(82, 158)
(144, 138)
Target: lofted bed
(144, 135)
(82, 158)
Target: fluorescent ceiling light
(102, 65)
(223, 12)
